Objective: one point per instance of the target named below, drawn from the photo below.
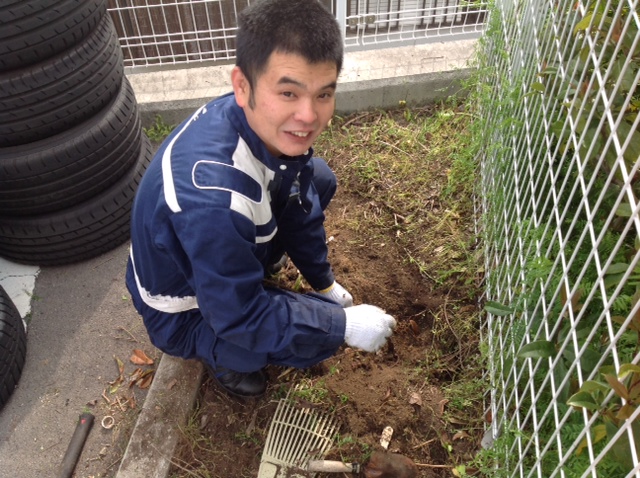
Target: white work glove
(338, 294)
(367, 327)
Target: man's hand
(368, 327)
(338, 294)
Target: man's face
(293, 101)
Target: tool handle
(329, 466)
(75, 445)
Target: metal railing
(170, 32)
(561, 224)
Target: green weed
(159, 130)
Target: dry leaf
(140, 358)
(141, 378)
(135, 376)
(118, 381)
(172, 384)
(415, 399)
(457, 421)
(415, 328)
(460, 435)
(120, 365)
(145, 381)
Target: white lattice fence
(560, 189)
(178, 32)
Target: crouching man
(233, 189)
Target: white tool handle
(329, 466)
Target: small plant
(159, 130)
(351, 449)
(594, 396)
(245, 437)
(310, 391)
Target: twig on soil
(286, 372)
(420, 445)
(106, 399)
(396, 148)
(428, 465)
(132, 339)
(120, 404)
(114, 463)
(353, 120)
(446, 317)
(252, 423)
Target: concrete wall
(420, 74)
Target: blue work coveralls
(212, 211)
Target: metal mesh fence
(375, 23)
(170, 32)
(561, 225)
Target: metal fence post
(341, 16)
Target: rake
(296, 436)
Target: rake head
(296, 435)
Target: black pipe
(75, 446)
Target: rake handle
(329, 466)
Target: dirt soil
(402, 386)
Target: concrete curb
(167, 407)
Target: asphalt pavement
(80, 323)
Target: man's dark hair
(302, 27)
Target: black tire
(78, 233)
(68, 168)
(13, 347)
(33, 30)
(54, 95)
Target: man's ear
(241, 88)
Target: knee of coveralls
(230, 356)
(324, 180)
(185, 334)
(287, 359)
(299, 356)
(189, 336)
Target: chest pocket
(213, 175)
(247, 196)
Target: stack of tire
(72, 148)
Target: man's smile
(300, 134)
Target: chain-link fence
(178, 32)
(561, 224)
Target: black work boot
(240, 384)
